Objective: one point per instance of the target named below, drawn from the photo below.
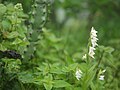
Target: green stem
(88, 60)
(99, 62)
(100, 59)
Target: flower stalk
(93, 41)
(78, 74)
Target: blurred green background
(71, 19)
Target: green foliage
(12, 28)
(51, 57)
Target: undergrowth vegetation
(35, 57)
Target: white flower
(94, 42)
(93, 37)
(84, 57)
(78, 74)
(104, 71)
(93, 32)
(101, 77)
(91, 52)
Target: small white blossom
(91, 52)
(93, 32)
(94, 42)
(78, 74)
(101, 77)
(104, 71)
(84, 57)
(93, 37)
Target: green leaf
(17, 41)
(65, 69)
(73, 66)
(6, 24)
(13, 34)
(48, 83)
(48, 86)
(60, 83)
(2, 47)
(109, 49)
(92, 85)
(89, 76)
(53, 38)
(12, 65)
(106, 49)
(2, 9)
(26, 77)
(56, 70)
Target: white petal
(93, 30)
(101, 77)
(84, 57)
(104, 71)
(91, 52)
(78, 74)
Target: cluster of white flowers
(91, 53)
(78, 74)
(93, 38)
(101, 77)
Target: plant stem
(97, 66)
(100, 59)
